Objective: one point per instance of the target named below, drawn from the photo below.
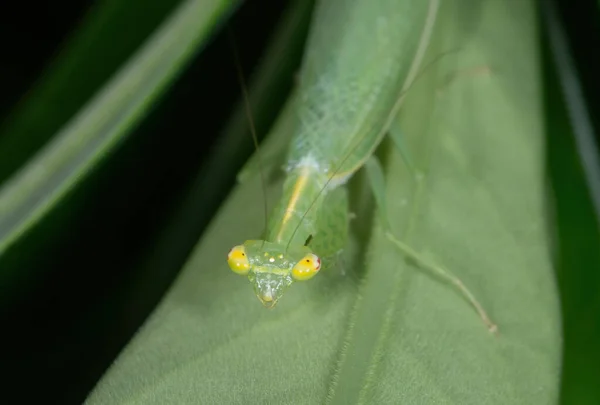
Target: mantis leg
(376, 179)
(398, 141)
(332, 227)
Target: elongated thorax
(294, 219)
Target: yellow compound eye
(238, 261)
(307, 267)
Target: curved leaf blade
(100, 44)
(105, 120)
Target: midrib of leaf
(371, 316)
(377, 300)
(101, 124)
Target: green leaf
(387, 332)
(101, 43)
(478, 209)
(574, 170)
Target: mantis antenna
(247, 109)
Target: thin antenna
(384, 129)
(248, 111)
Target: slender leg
(376, 179)
(333, 226)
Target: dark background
(576, 220)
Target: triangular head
(272, 267)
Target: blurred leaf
(572, 102)
(474, 132)
(101, 124)
(101, 43)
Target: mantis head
(272, 268)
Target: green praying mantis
(345, 105)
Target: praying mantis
(345, 105)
